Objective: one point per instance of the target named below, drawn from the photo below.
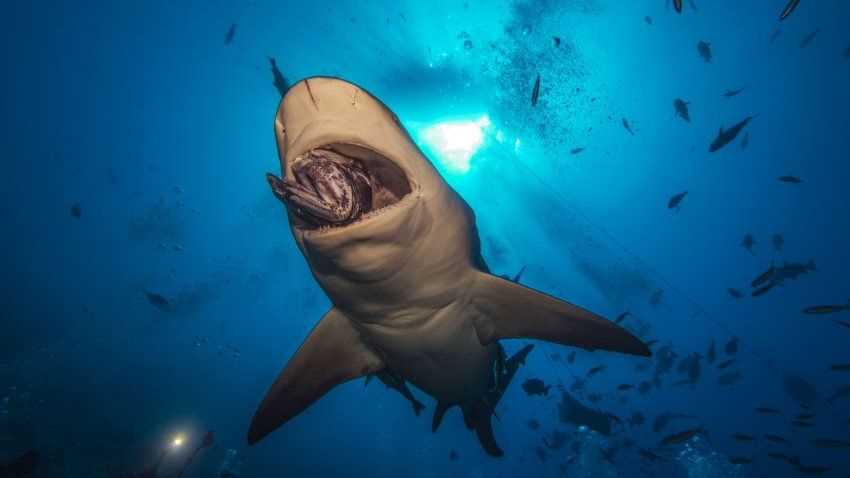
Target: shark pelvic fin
(442, 408)
(505, 310)
(477, 417)
(333, 353)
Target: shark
(397, 252)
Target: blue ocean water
(152, 290)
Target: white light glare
(178, 441)
(456, 141)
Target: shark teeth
(365, 217)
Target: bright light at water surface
(456, 141)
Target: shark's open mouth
(338, 184)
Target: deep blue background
(140, 113)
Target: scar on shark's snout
(310, 92)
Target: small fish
(557, 41)
(764, 277)
(807, 40)
(725, 137)
(748, 242)
(681, 108)
(704, 50)
(840, 367)
(576, 150)
(656, 297)
(711, 354)
(764, 289)
(452, 455)
(648, 20)
(725, 364)
(157, 300)
(732, 346)
(628, 128)
(674, 201)
(812, 470)
(648, 455)
(790, 179)
(732, 93)
(777, 439)
(745, 141)
(228, 39)
(595, 370)
(793, 270)
(735, 293)
(830, 443)
(535, 92)
(677, 4)
(622, 317)
(624, 387)
(76, 210)
(826, 309)
(778, 242)
(743, 437)
(792, 4)
(535, 386)
(768, 411)
(681, 437)
(740, 460)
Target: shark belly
(441, 355)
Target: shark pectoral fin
(332, 354)
(505, 310)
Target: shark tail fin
(332, 354)
(504, 310)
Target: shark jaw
(340, 184)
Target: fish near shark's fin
(505, 310)
(332, 354)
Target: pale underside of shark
(396, 250)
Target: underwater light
(178, 441)
(456, 141)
